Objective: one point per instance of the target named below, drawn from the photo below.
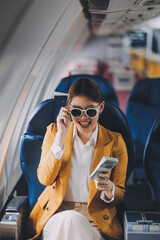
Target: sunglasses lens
(91, 112)
(76, 113)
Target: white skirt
(69, 225)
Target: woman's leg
(69, 225)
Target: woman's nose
(84, 116)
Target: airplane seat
(43, 115)
(106, 119)
(31, 142)
(30, 150)
(143, 106)
(151, 159)
(151, 163)
(106, 86)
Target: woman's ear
(102, 107)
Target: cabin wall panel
(37, 39)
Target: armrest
(12, 222)
(17, 203)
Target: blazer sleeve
(118, 175)
(49, 166)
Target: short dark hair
(85, 87)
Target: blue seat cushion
(29, 158)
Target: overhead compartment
(112, 16)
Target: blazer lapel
(103, 148)
(66, 167)
(68, 144)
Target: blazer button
(105, 217)
(47, 207)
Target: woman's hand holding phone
(105, 185)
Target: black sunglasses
(90, 112)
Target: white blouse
(82, 157)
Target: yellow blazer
(55, 174)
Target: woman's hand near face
(105, 185)
(63, 123)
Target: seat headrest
(146, 92)
(44, 114)
(110, 113)
(106, 86)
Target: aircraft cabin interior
(45, 46)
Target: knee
(73, 216)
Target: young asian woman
(73, 206)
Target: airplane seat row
(142, 108)
(45, 113)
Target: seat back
(31, 142)
(115, 120)
(106, 86)
(45, 113)
(143, 106)
(151, 159)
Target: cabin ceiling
(105, 16)
(113, 16)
